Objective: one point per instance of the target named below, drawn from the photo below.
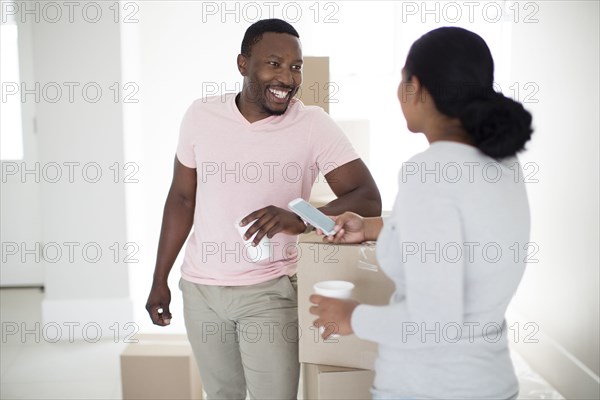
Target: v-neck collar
(251, 125)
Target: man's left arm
(355, 190)
(354, 187)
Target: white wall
(82, 287)
(560, 292)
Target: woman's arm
(372, 227)
(426, 233)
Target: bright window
(11, 129)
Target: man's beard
(273, 112)
(265, 107)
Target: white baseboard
(87, 319)
(562, 370)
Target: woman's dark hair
(456, 67)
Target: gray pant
(244, 337)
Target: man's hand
(178, 218)
(333, 314)
(270, 221)
(158, 304)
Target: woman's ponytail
(499, 125)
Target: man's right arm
(178, 219)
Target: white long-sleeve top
(455, 246)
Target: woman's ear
(242, 61)
(416, 89)
(409, 90)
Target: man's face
(273, 73)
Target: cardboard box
(354, 263)
(331, 383)
(160, 367)
(314, 90)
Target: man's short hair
(255, 32)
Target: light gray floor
(33, 368)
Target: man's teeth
(280, 94)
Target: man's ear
(242, 62)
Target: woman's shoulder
(457, 169)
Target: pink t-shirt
(243, 167)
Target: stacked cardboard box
(160, 367)
(314, 90)
(333, 383)
(341, 367)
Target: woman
(454, 244)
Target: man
(245, 157)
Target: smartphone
(313, 216)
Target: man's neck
(247, 111)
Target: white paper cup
(337, 290)
(251, 253)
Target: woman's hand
(333, 314)
(349, 228)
